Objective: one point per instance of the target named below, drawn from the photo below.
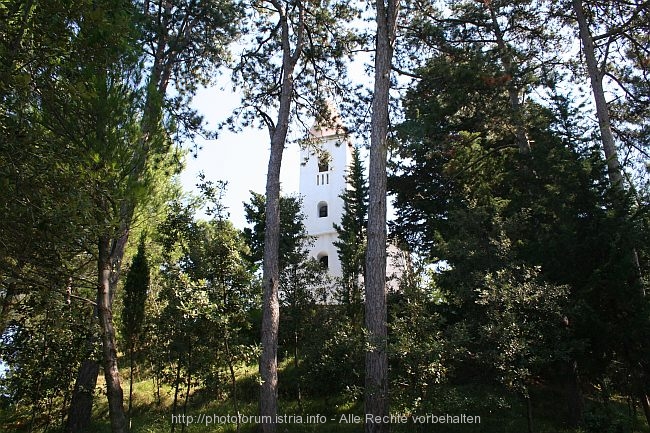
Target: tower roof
(328, 123)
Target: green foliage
(87, 133)
(525, 243)
(185, 43)
(136, 289)
(70, 126)
(207, 296)
(351, 246)
(527, 262)
(332, 355)
(292, 229)
(190, 40)
(518, 332)
(419, 352)
(607, 422)
(314, 37)
(41, 353)
(303, 285)
(58, 132)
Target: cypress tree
(136, 287)
(351, 245)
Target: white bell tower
(322, 181)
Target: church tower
(322, 181)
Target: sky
(240, 159)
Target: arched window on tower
(323, 164)
(322, 209)
(324, 261)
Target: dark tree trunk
(645, 403)
(114, 391)
(513, 92)
(602, 111)
(270, 263)
(81, 405)
(176, 384)
(529, 413)
(376, 377)
(575, 401)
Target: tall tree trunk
(270, 264)
(575, 401)
(645, 403)
(114, 391)
(271, 277)
(81, 405)
(529, 413)
(376, 381)
(614, 169)
(513, 91)
(176, 384)
(233, 381)
(188, 386)
(596, 78)
(130, 414)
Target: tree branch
(618, 30)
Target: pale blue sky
(239, 158)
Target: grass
(500, 413)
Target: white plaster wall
(317, 187)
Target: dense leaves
(292, 229)
(526, 242)
(351, 243)
(522, 212)
(205, 304)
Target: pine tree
(306, 41)
(136, 288)
(292, 229)
(376, 383)
(351, 245)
